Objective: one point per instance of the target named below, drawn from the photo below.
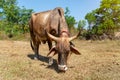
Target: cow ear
(74, 50)
(52, 52)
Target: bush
(10, 29)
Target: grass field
(100, 60)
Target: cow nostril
(65, 68)
(62, 67)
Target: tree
(1, 6)
(69, 19)
(24, 16)
(13, 18)
(110, 9)
(10, 10)
(91, 19)
(81, 24)
(106, 19)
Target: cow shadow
(45, 59)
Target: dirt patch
(100, 60)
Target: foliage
(24, 17)
(13, 19)
(90, 17)
(110, 11)
(106, 19)
(81, 24)
(69, 19)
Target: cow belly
(41, 38)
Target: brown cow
(51, 25)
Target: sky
(78, 8)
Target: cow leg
(50, 58)
(36, 50)
(49, 44)
(35, 47)
(71, 43)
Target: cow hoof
(36, 57)
(50, 61)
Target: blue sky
(78, 8)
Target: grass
(100, 60)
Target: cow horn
(52, 37)
(74, 37)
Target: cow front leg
(50, 62)
(49, 44)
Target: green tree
(10, 10)
(24, 16)
(1, 6)
(69, 19)
(91, 19)
(106, 19)
(81, 24)
(110, 11)
(13, 18)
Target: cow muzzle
(62, 67)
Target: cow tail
(31, 33)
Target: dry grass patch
(100, 60)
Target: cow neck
(65, 32)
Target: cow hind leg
(31, 45)
(35, 48)
(37, 51)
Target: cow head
(62, 48)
